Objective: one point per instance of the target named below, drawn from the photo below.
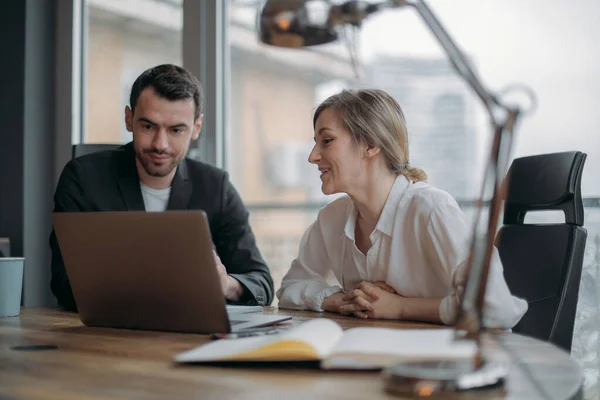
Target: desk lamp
(301, 23)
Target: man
(153, 174)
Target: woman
(396, 245)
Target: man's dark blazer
(108, 181)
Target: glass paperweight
(439, 378)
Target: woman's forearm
(426, 309)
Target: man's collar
(181, 188)
(129, 182)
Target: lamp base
(439, 378)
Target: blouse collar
(388, 214)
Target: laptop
(146, 270)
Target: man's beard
(157, 170)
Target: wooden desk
(101, 363)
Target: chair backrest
(88, 148)
(542, 262)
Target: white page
(377, 347)
(321, 334)
(221, 349)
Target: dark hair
(171, 82)
(374, 117)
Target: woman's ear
(372, 151)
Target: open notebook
(323, 339)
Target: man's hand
(232, 288)
(373, 300)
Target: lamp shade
(296, 23)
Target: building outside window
(125, 37)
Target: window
(272, 97)
(125, 37)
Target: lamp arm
(503, 119)
(455, 55)
(469, 320)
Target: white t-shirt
(155, 200)
(419, 246)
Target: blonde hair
(374, 117)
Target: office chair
(542, 262)
(83, 149)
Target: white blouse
(419, 247)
